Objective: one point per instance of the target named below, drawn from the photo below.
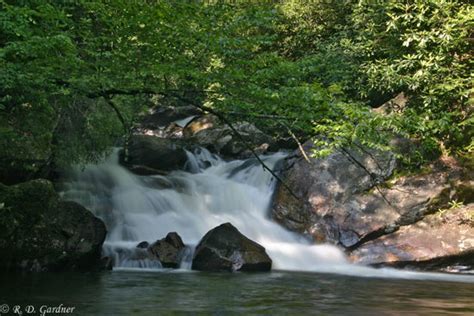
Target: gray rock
(168, 250)
(381, 224)
(224, 248)
(165, 121)
(155, 155)
(333, 206)
(106, 263)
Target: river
(279, 292)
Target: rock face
(340, 204)
(155, 155)
(333, 204)
(224, 248)
(207, 131)
(444, 234)
(38, 232)
(168, 250)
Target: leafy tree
(77, 74)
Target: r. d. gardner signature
(43, 310)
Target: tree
(75, 75)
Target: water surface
(157, 293)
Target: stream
(305, 278)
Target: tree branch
(125, 125)
(300, 146)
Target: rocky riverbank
(352, 199)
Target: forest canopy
(76, 75)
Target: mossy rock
(39, 232)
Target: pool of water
(158, 293)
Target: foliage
(423, 48)
(76, 74)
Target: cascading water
(211, 192)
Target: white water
(212, 192)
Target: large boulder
(208, 131)
(168, 250)
(154, 155)
(332, 204)
(224, 248)
(347, 199)
(39, 232)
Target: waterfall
(210, 192)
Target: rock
(153, 155)
(198, 124)
(437, 241)
(39, 232)
(168, 250)
(340, 204)
(166, 121)
(334, 206)
(224, 248)
(207, 131)
(394, 105)
(143, 245)
(174, 240)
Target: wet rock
(154, 155)
(143, 245)
(207, 131)
(224, 248)
(437, 241)
(39, 232)
(168, 250)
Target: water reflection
(151, 293)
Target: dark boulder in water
(39, 232)
(154, 155)
(168, 250)
(224, 248)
